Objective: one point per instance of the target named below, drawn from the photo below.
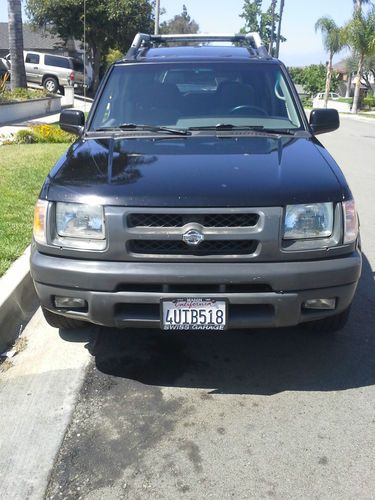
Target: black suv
(196, 197)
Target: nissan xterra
(196, 197)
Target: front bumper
(128, 294)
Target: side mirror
(73, 121)
(324, 120)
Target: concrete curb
(18, 300)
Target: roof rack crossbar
(144, 40)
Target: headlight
(40, 217)
(313, 220)
(350, 221)
(80, 226)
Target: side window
(32, 58)
(60, 62)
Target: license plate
(194, 314)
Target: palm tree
(360, 36)
(358, 4)
(333, 43)
(16, 44)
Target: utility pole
(273, 7)
(157, 16)
(279, 28)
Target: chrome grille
(180, 220)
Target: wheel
(58, 321)
(51, 84)
(245, 107)
(330, 324)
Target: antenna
(84, 56)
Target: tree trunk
(348, 85)
(15, 31)
(358, 85)
(277, 52)
(97, 60)
(328, 80)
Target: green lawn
(22, 171)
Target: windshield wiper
(279, 131)
(230, 126)
(227, 126)
(150, 128)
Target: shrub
(369, 101)
(307, 102)
(3, 82)
(25, 136)
(43, 134)
(113, 56)
(21, 94)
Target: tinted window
(197, 94)
(61, 62)
(32, 58)
(77, 65)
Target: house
(39, 40)
(347, 78)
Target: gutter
(18, 300)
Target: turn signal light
(40, 218)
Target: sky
(303, 45)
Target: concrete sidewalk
(37, 396)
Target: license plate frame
(194, 303)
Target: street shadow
(263, 362)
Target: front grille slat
(176, 247)
(168, 220)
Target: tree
(312, 78)
(368, 73)
(358, 4)
(16, 44)
(110, 24)
(360, 36)
(262, 22)
(181, 24)
(333, 42)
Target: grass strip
(22, 172)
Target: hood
(196, 171)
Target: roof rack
(144, 41)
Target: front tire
(51, 84)
(62, 322)
(331, 324)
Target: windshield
(184, 95)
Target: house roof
(37, 39)
(341, 67)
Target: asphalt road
(264, 414)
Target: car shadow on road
(263, 362)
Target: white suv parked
(52, 71)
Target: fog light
(319, 304)
(70, 303)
